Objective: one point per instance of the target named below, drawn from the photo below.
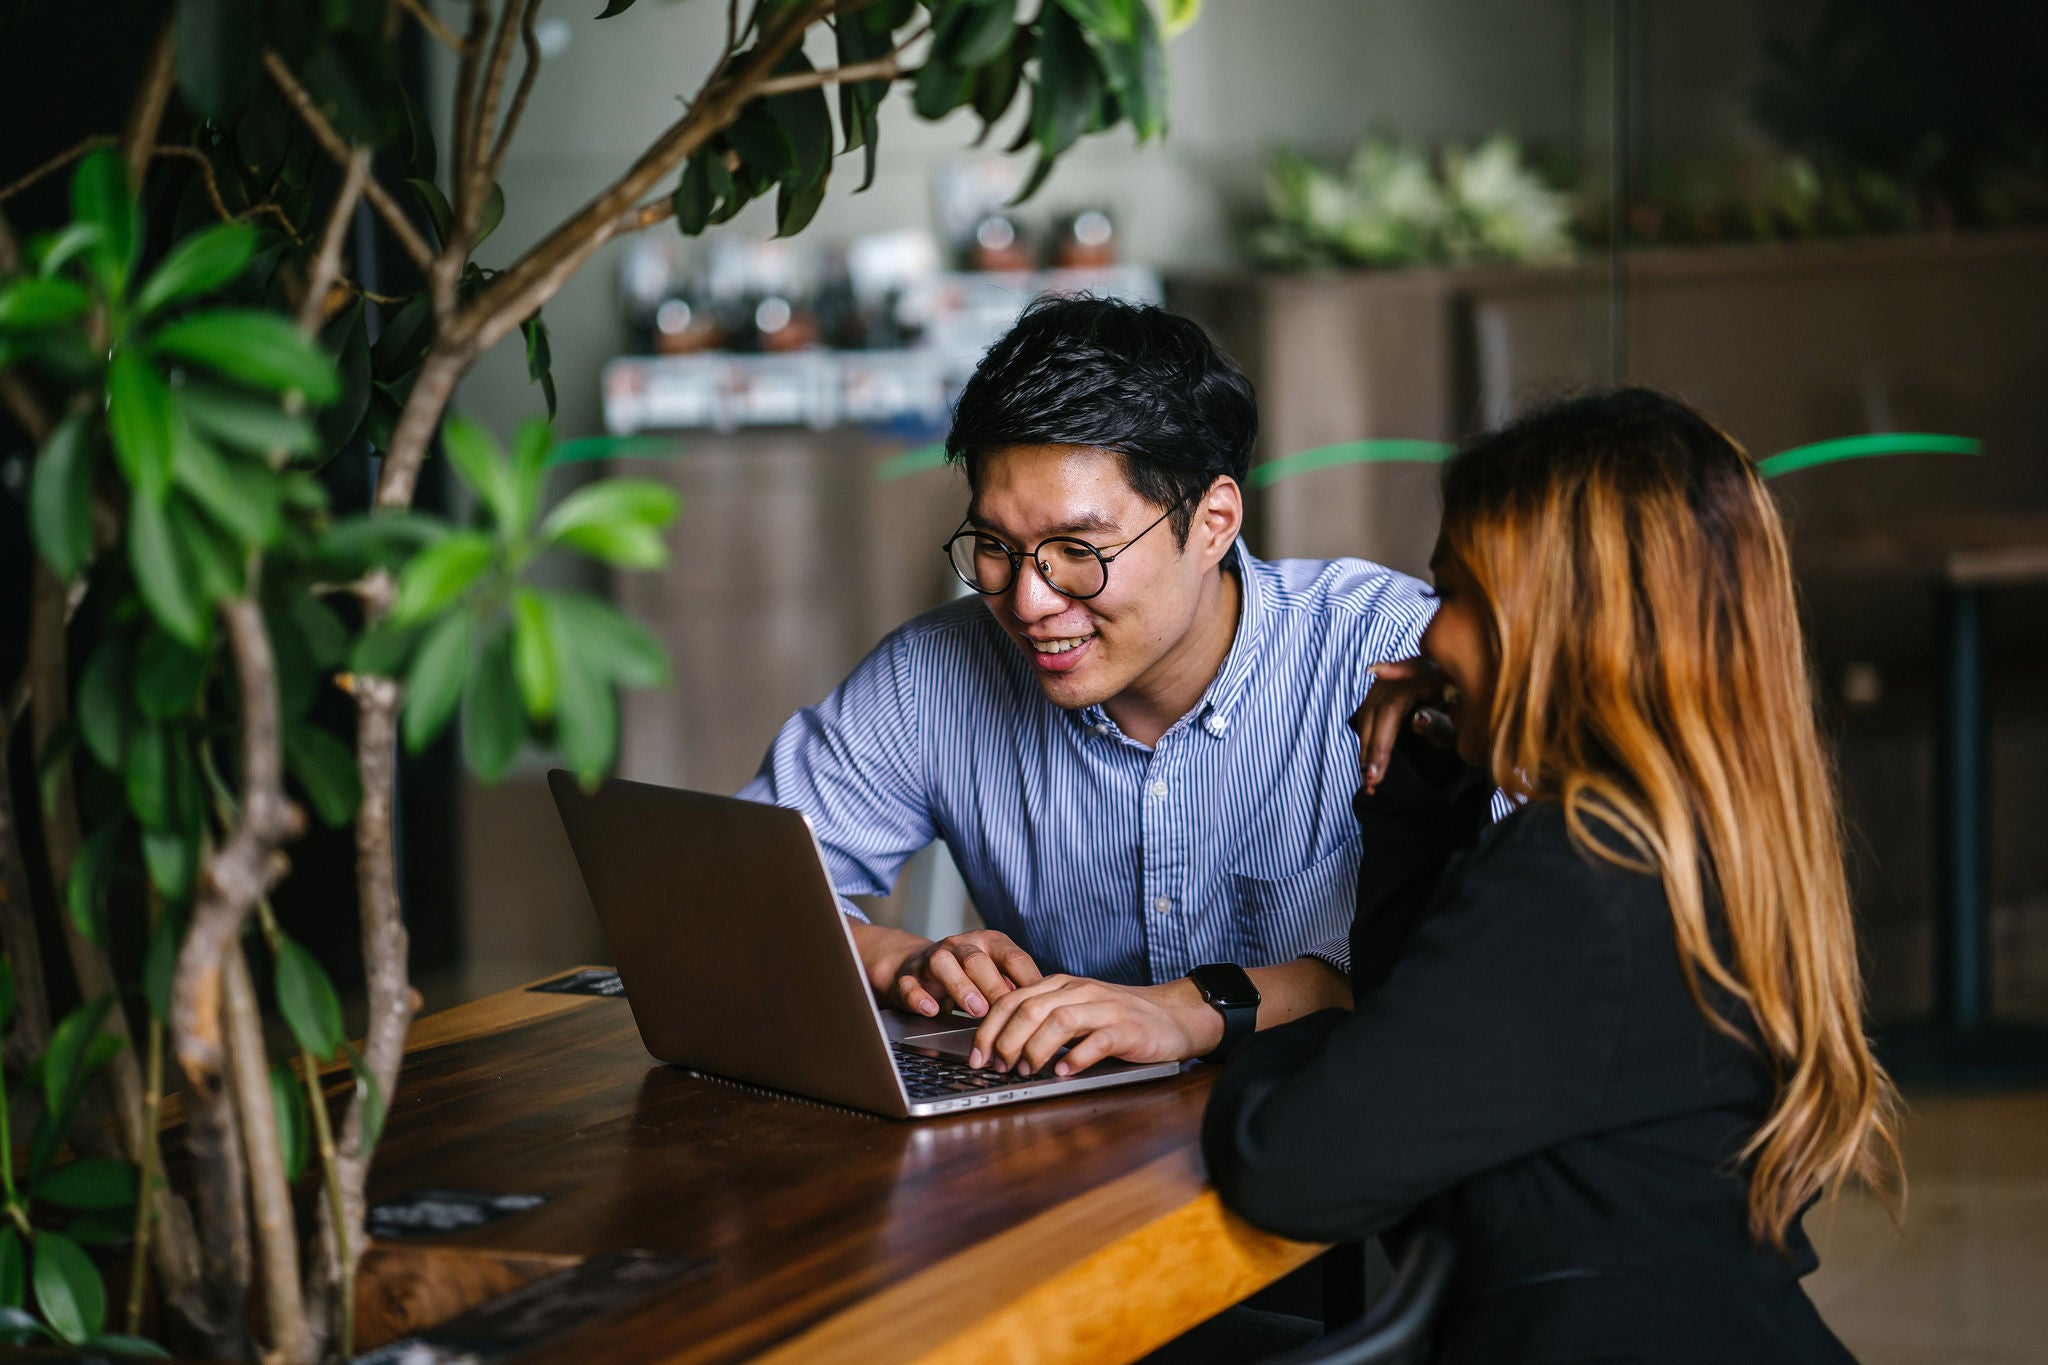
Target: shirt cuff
(1335, 954)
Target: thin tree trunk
(277, 1237)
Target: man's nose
(1031, 597)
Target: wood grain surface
(1077, 1229)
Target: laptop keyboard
(934, 1076)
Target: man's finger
(981, 969)
(946, 969)
(1386, 728)
(1061, 1025)
(983, 1053)
(1018, 966)
(915, 996)
(1086, 1053)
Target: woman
(1612, 1044)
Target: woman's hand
(1406, 693)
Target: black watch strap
(1229, 990)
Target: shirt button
(1215, 725)
(1162, 905)
(1102, 730)
(1159, 789)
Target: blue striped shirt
(1229, 840)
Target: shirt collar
(1219, 701)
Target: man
(1135, 743)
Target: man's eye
(1073, 553)
(985, 546)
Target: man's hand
(970, 970)
(1027, 1027)
(1406, 693)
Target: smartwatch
(1228, 988)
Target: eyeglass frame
(1038, 564)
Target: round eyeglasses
(1069, 565)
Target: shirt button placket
(1165, 937)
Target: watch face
(1225, 984)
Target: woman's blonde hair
(1652, 679)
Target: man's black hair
(1126, 377)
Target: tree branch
(464, 119)
(880, 69)
(327, 262)
(528, 75)
(277, 1238)
(439, 31)
(18, 925)
(138, 139)
(386, 208)
(54, 164)
(530, 281)
(475, 185)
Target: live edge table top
(1075, 1229)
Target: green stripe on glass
(1351, 452)
(911, 462)
(1857, 447)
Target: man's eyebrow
(1074, 525)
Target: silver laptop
(738, 963)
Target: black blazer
(1525, 1067)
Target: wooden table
(1078, 1229)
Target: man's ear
(1219, 517)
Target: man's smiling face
(1087, 652)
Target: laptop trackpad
(952, 1042)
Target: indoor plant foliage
(1394, 205)
(193, 356)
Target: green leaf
(325, 635)
(613, 448)
(540, 359)
(263, 350)
(859, 100)
(586, 719)
(796, 205)
(90, 1183)
(372, 1096)
(218, 563)
(347, 337)
(160, 964)
(806, 117)
(489, 214)
(1137, 72)
(1180, 14)
(326, 768)
(614, 645)
(256, 425)
(19, 1327)
(172, 857)
(307, 1000)
(533, 653)
(13, 1270)
(530, 445)
(144, 423)
(492, 724)
(200, 264)
(476, 457)
(61, 248)
(1069, 85)
(941, 88)
(241, 496)
(64, 1062)
(970, 34)
(698, 193)
(288, 1102)
(86, 888)
(125, 1345)
(763, 143)
(997, 83)
(1114, 19)
(613, 8)
(403, 342)
(60, 498)
(383, 650)
(100, 195)
(383, 540)
(433, 685)
(218, 44)
(618, 521)
(68, 1288)
(34, 302)
(165, 574)
(147, 773)
(168, 676)
(436, 204)
(437, 577)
